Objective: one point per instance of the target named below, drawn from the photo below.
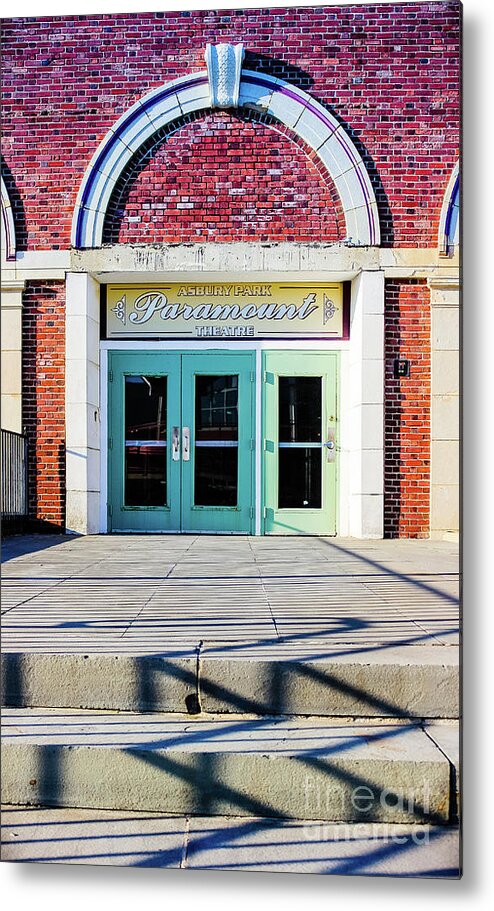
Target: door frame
(330, 490)
(178, 351)
(245, 393)
(329, 346)
(135, 363)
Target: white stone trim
(82, 404)
(11, 361)
(9, 243)
(445, 409)
(103, 503)
(126, 263)
(224, 65)
(362, 412)
(449, 233)
(334, 262)
(286, 103)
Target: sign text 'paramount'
(226, 310)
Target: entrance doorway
(185, 453)
(300, 444)
(181, 442)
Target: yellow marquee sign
(191, 310)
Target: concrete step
(302, 768)
(400, 682)
(228, 843)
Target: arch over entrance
(449, 224)
(8, 227)
(266, 94)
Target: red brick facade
(389, 73)
(226, 177)
(407, 410)
(43, 383)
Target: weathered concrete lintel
(160, 261)
(218, 258)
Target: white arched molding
(258, 91)
(449, 224)
(8, 227)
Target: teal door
(144, 421)
(181, 442)
(300, 437)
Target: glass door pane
(145, 441)
(216, 441)
(144, 412)
(299, 442)
(218, 419)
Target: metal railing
(13, 474)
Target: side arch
(266, 94)
(449, 223)
(8, 226)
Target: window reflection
(145, 440)
(300, 438)
(216, 441)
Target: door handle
(175, 444)
(329, 446)
(185, 444)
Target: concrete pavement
(227, 843)
(141, 594)
(214, 678)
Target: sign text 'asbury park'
(236, 310)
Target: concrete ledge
(447, 738)
(165, 682)
(419, 682)
(413, 681)
(305, 768)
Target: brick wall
(407, 410)
(225, 177)
(43, 383)
(390, 73)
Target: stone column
(11, 334)
(82, 404)
(363, 422)
(445, 407)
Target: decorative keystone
(224, 63)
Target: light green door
(300, 436)
(181, 442)
(218, 423)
